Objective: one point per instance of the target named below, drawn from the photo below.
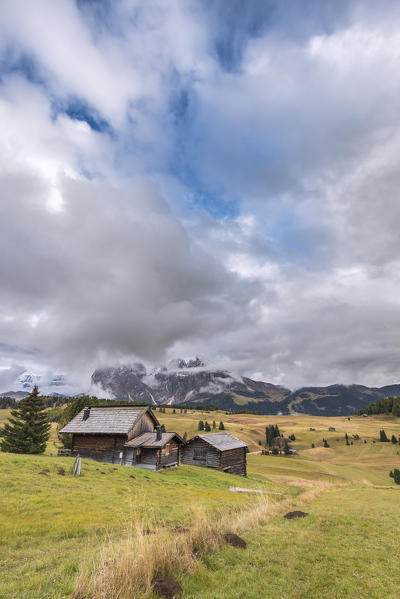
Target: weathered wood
(102, 448)
(198, 452)
(144, 425)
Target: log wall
(201, 453)
(234, 461)
(102, 448)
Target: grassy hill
(60, 533)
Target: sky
(200, 177)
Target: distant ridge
(192, 383)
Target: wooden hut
(105, 434)
(216, 450)
(153, 450)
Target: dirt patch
(296, 514)
(61, 472)
(235, 540)
(165, 586)
(131, 476)
(44, 472)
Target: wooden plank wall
(213, 456)
(145, 425)
(102, 448)
(234, 461)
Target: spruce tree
(28, 429)
(396, 476)
(394, 439)
(184, 437)
(214, 424)
(201, 426)
(382, 437)
(207, 427)
(221, 426)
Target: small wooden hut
(216, 450)
(123, 434)
(153, 450)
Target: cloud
(201, 178)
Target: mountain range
(192, 383)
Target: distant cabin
(121, 434)
(312, 428)
(331, 428)
(216, 450)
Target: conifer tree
(396, 476)
(207, 427)
(394, 439)
(214, 424)
(184, 436)
(221, 426)
(382, 437)
(28, 428)
(326, 444)
(201, 426)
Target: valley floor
(54, 528)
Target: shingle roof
(106, 420)
(150, 440)
(223, 441)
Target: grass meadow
(87, 537)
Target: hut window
(167, 449)
(199, 454)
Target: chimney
(86, 413)
(158, 433)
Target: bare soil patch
(295, 514)
(234, 540)
(165, 586)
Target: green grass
(51, 524)
(347, 547)
(48, 521)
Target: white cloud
(297, 130)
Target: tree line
(386, 405)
